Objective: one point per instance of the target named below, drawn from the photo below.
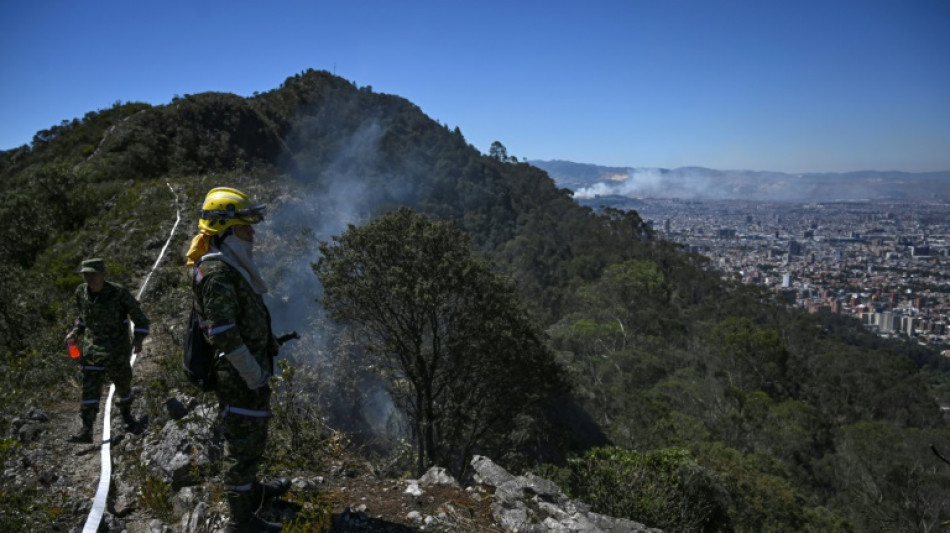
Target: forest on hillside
(624, 368)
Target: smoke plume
(651, 183)
(313, 206)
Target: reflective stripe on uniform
(89, 402)
(140, 330)
(255, 413)
(87, 367)
(127, 399)
(240, 488)
(220, 329)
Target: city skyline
(883, 263)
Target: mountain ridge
(724, 400)
(701, 183)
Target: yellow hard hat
(225, 207)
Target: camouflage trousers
(118, 370)
(244, 417)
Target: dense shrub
(662, 488)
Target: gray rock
(157, 526)
(616, 525)
(412, 488)
(37, 415)
(29, 427)
(488, 473)
(437, 476)
(184, 448)
(111, 523)
(300, 483)
(125, 499)
(184, 500)
(30, 431)
(196, 520)
(47, 477)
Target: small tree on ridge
(449, 336)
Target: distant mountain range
(696, 183)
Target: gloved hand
(243, 361)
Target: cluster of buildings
(886, 264)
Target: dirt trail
(80, 465)
(67, 472)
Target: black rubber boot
(131, 424)
(270, 490)
(85, 434)
(243, 519)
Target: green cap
(93, 265)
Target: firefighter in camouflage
(228, 293)
(103, 312)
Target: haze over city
(791, 87)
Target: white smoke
(652, 183)
(310, 210)
(597, 189)
(313, 207)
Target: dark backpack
(198, 355)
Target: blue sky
(793, 86)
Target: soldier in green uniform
(103, 311)
(228, 293)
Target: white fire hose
(105, 476)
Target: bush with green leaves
(299, 436)
(662, 488)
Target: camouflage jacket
(103, 321)
(231, 313)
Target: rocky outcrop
(520, 504)
(529, 504)
(30, 426)
(177, 454)
(185, 447)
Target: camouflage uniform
(103, 322)
(231, 315)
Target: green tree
(752, 357)
(893, 479)
(632, 294)
(498, 151)
(459, 354)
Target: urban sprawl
(887, 264)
